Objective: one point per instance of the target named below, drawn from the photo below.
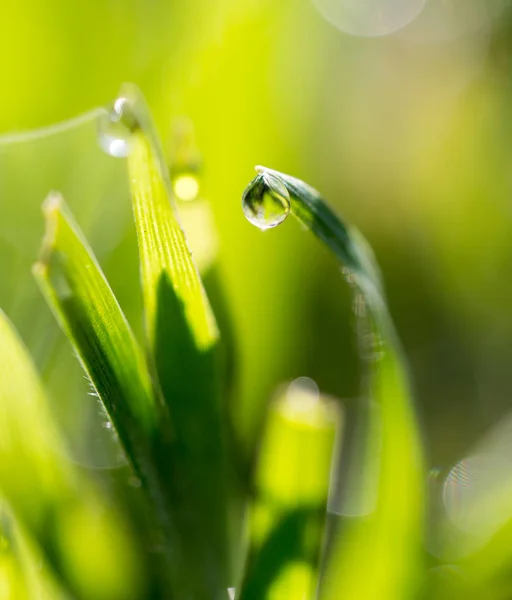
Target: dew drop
(115, 128)
(266, 201)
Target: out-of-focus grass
(78, 536)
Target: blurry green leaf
(489, 569)
(13, 575)
(377, 556)
(292, 484)
(51, 501)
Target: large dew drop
(266, 201)
(115, 128)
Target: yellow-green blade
(88, 312)
(80, 539)
(163, 249)
(292, 485)
(184, 343)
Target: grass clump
(202, 520)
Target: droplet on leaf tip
(116, 126)
(266, 201)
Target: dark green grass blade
(375, 557)
(183, 340)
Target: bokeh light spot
(370, 18)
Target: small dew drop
(266, 201)
(115, 128)
(107, 425)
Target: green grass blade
(163, 249)
(87, 310)
(78, 536)
(184, 342)
(292, 484)
(375, 557)
(89, 314)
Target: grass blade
(375, 557)
(292, 484)
(184, 343)
(87, 310)
(79, 537)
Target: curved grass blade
(374, 557)
(183, 340)
(89, 314)
(56, 509)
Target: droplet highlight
(116, 126)
(266, 201)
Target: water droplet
(266, 201)
(107, 425)
(115, 127)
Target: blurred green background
(398, 112)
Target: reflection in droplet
(369, 18)
(115, 128)
(231, 593)
(266, 201)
